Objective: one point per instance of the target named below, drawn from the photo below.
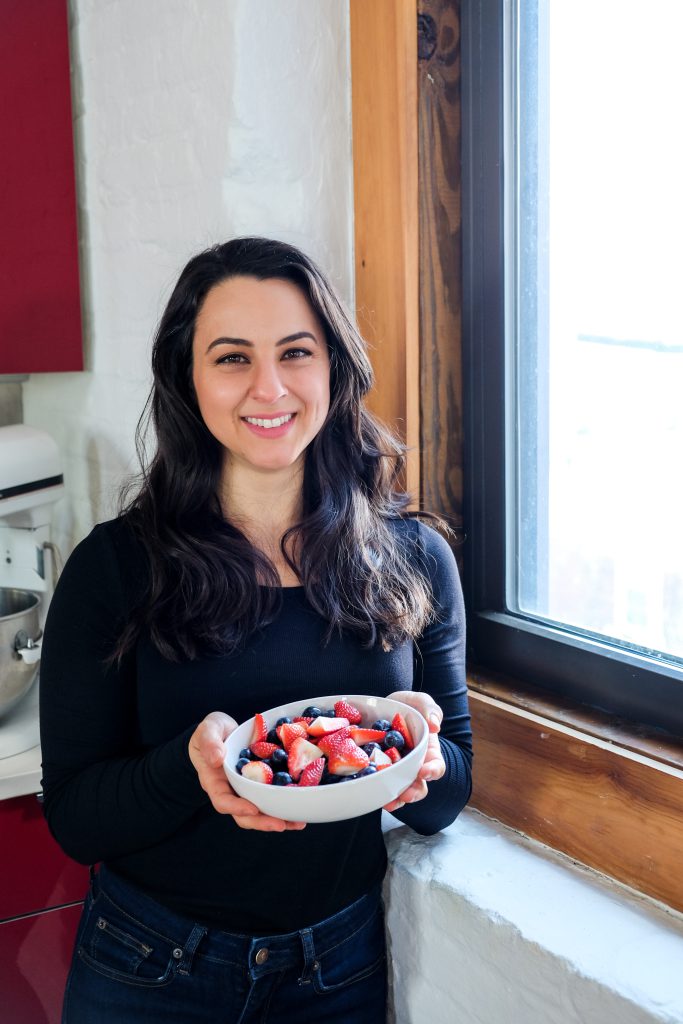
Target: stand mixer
(31, 482)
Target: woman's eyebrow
(249, 344)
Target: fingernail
(434, 719)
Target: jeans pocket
(357, 957)
(119, 947)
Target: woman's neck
(264, 506)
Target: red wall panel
(40, 315)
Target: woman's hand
(433, 765)
(207, 752)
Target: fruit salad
(322, 746)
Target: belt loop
(92, 881)
(187, 954)
(310, 963)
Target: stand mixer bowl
(19, 624)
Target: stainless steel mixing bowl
(19, 629)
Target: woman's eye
(296, 353)
(232, 357)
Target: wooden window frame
(605, 792)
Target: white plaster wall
(488, 927)
(195, 120)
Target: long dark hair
(204, 593)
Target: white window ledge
(488, 926)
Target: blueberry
(312, 712)
(370, 770)
(241, 763)
(245, 752)
(369, 747)
(328, 713)
(278, 758)
(394, 739)
(273, 737)
(282, 779)
(382, 724)
(283, 721)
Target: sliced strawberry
(363, 736)
(305, 721)
(301, 753)
(258, 771)
(391, 753)
(312, 773)
(380, 759)
(381, 766)
(398, 723)
(260, 729)
(321, 726)
(330, 742)
(289, 732)
(263, 749)
(347, 759)
(343, 709)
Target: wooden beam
(441, 439)
(384, 104)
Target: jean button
(262, 956)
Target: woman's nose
(267, 384)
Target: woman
(266, 557)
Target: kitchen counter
(20, 755)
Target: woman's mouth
(270, 426)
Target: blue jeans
(137, 961)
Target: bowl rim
(326, 789)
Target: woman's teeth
(277, 422)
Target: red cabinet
(35, 953)
(41, 893)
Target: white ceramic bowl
(342, 800)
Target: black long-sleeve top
(118, 783)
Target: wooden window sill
(604, 792)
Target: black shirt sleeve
(105, 795)
(440, 672)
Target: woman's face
(261, 371)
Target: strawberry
(380, 759)
(263, 749)
(289, 732)
(258, 771)
(391, 752)
(362, 736)
(260, 729)
(304, 721)
(313, 772)
(343, 709)
(328, 743)
(398, 723)
(347, 758)
(301, 753)
(321, 726)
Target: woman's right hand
(206, 749)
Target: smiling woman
(268, 556)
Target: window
(573, 348)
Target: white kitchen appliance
(31, 481)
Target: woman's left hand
(433, 765)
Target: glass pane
(595, 189)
